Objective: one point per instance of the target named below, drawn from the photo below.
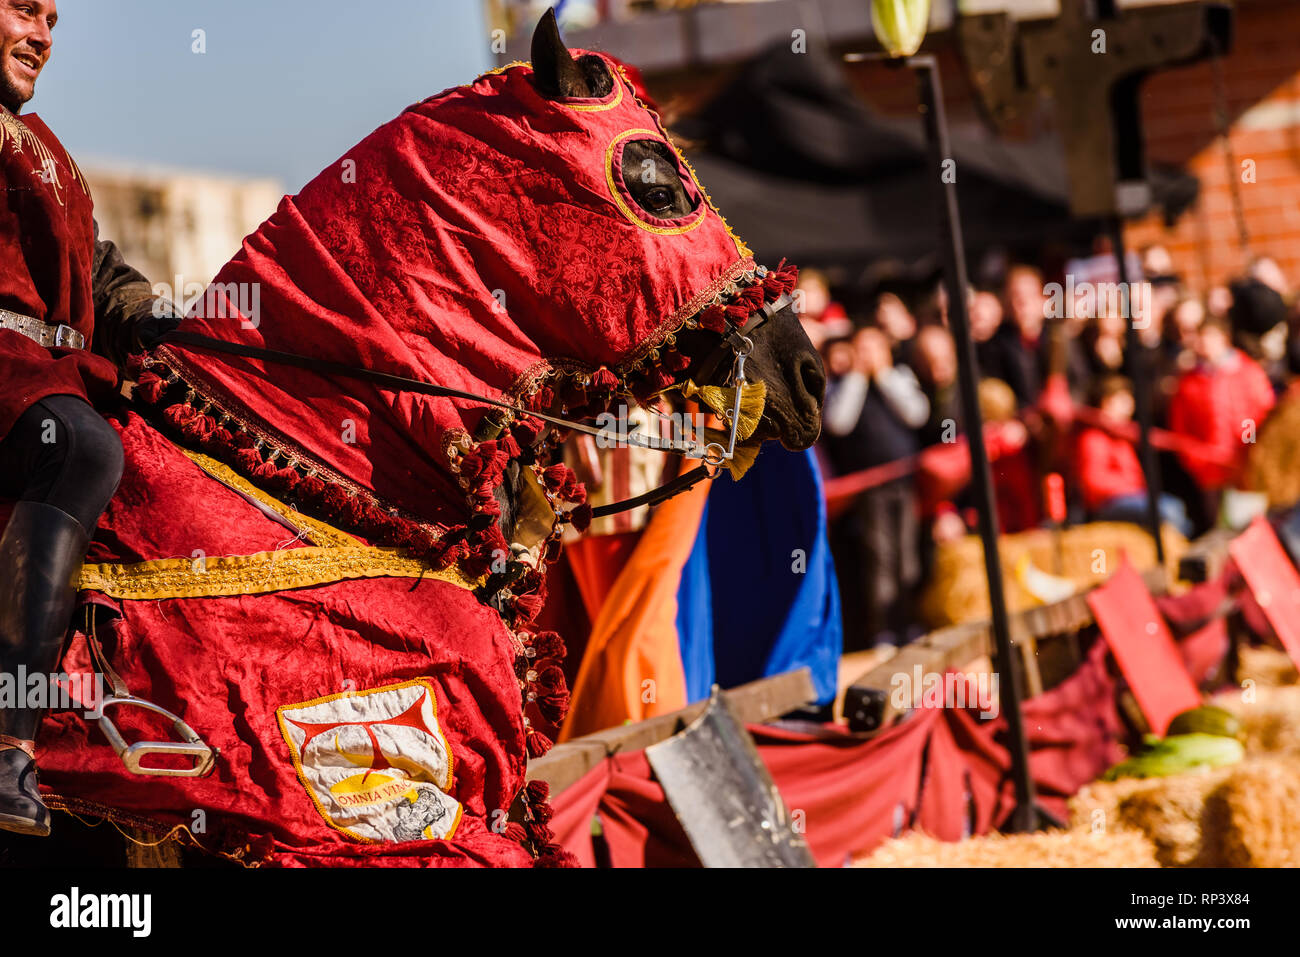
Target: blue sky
(284, 89)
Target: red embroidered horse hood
(483, 240)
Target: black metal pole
(1025, 817)
(1138, 369)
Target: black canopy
(802, 168)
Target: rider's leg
(63, 463)
(61, 452)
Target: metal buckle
(193, 747)
(65, 335)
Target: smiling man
(71, 311)
(25, 52)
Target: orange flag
(632, 668)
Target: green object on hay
(1207, 719)
(1176, 754)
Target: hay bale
(958, 592)
(1270, 721)
(1250, 819)
(1095, 806)
(1238, 816)
(1169, 811)
(1171, 815)
(1045, 849)
(1267, 667)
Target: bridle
(736, 344)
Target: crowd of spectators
(1057, 398)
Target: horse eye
(659, 198)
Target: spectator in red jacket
(1221, 402)
(1010, 457)
(1110, 476)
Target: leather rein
(735, 343)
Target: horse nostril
(812, 378)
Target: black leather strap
(403, 384)
(655, 495)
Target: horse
(344, 483)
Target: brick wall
(1261, 94)
(1261, 80)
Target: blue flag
(758, 595)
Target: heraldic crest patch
(374, 762)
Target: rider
(71, 311)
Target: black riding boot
(41, 554)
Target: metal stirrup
(193, 747)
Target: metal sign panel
(1272, 579)
(722, 794)
(1141, 642)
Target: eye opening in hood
(627, 203)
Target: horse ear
(555, 70)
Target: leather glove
(160, 320)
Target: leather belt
(46, 334)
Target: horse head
(662, 186)
(534, 239)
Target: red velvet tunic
(47, 246)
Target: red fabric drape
(1144, 647)
(941, 770)
(639, 827)
(596, 562)
(246, 670)
(481, 239)
(1203, 648)
(572, 817)
(853, 793)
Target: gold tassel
(722, 400)
(742, 457)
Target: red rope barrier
(842, 487)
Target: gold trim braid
(333, 556)
(317, 532)
(257, 574)
(14, 131)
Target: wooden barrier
(1206, 556)
(753, 703)
(1049, 628)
